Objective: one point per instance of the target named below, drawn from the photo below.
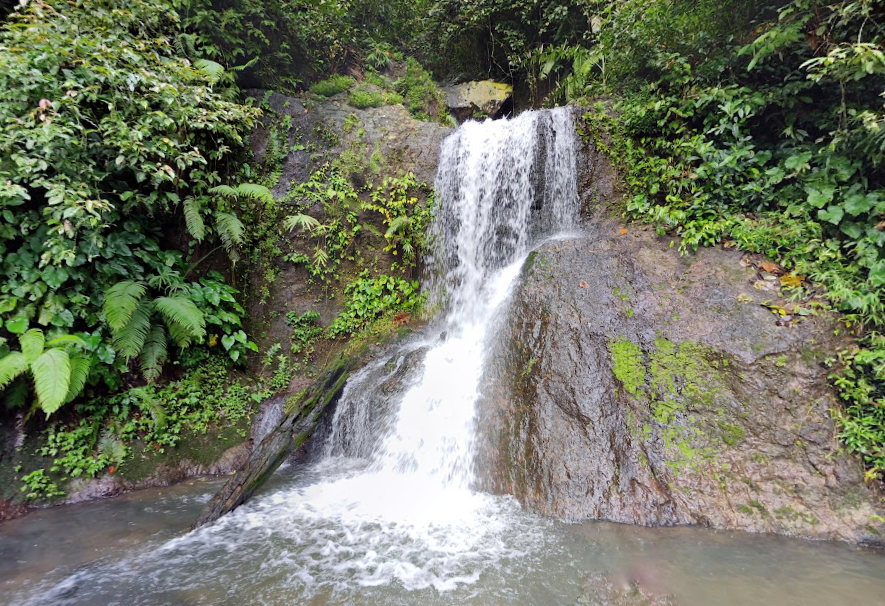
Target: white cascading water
(392, 498)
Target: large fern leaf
(181, 312)
(153, 354)
(52, 379)
(66, 340)
(230, 229)
(12, 365)
(254, 191)
(193, 219)
(120, 302)
(225, 191)
(81, 364)
(129, 339)
(212, 69)
(32, 344)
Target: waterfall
(392, 502)
(502, 186)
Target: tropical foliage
(106, 141)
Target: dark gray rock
(640, 386)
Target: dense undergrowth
(124, 180)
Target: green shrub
(332, 85)
(370, 298)
(362, 98)
(422, 96)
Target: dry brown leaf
(772, 268)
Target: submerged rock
(644, 387)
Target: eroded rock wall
(640, 386)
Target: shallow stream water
(387, 512)
(130, 551)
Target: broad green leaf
(819, 198)
(856, 204)
(833, 214)
(877, 274)
(797, 161)
(227, 341)
(12, 365)
(17, 325)
(851, 229)
(52, 379)
(32, 344)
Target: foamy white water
(393, 499)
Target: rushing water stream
(387, 514)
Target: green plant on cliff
(763, 127)
(406, 217)
(369, 298)
(141, 326)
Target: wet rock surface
(640, 386)
(385, 140)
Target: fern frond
(81, 364)
(230, 230)
(250, 63)
(193, 219)
(52, 379)
(32, 344)
(210, 68)
(181, 311)
(121, 301)
(149, 404)
(372, 229)
(16, 395)
(321, 257)
(225, 191)
(305, 222)
(12, 365)
(397, 225)
(111, 446)
(254, 192)
(153, 354)
(65, 340)
(129, 339)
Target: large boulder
(478, 99)
(640, 386)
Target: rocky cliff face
(640, 386)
